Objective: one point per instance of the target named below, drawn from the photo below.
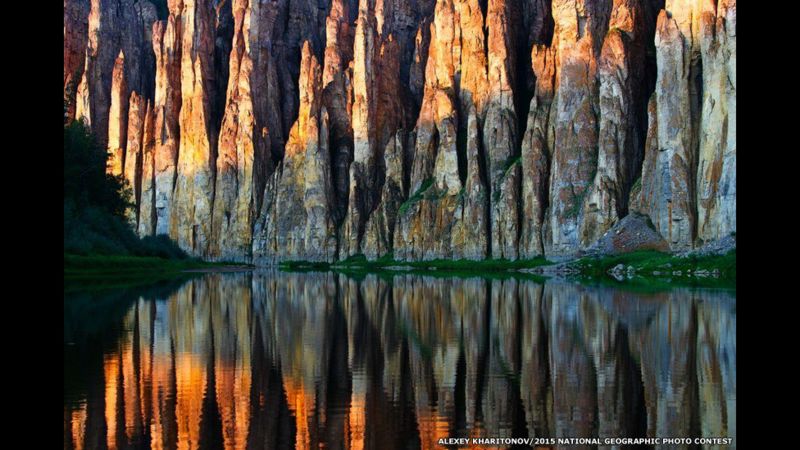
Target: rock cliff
(418, 129)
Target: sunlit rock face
(689, 173)
(382, 45)
(114, 27)
(147, 197)
(440, 128)
(296, 221)
(447, 137)
(251, 128)
(76, 26)
(167, 48)
(118, 118)
(134, 154)
(190, 220)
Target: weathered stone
(667, 188)
(379, 230)
(147, 202)
(167, 105)
(580, 27)
(621, 75)
(470, 239)
(76, 25)
(435, 128)
(133, 154)
(190, 222)
(536, 154)
(716, 170)
(296, 221)
(500, 131)
(633, 233)
(115, 27)
(688, 180)
(118, 118)
(244, 160)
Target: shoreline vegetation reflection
(270, 359)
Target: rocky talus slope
(262, 131)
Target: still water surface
(320, 360)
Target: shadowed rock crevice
(440, 128)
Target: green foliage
(577, 204)
(637, 185)
(417, 196)
(651, 265)
(510, 163)
(86, 182)
(99, 272)
(95, 204)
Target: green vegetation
(102, 272)
(510, 163)
(95, 204)
(442, 267)
(654, 268)
(637, 185)
(417, 196)
(654, 271)
(577, 203)
(98, 242)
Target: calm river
(272, 360)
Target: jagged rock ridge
(422, 129)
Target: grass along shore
(107, 271)
(646, 268)
(635, 267)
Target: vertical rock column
(435, 221)
(621, 76)
(147, 210)
(500, 130)
(716, 170)
(118, 118)
(133, 155)
(114, 27)
(536, 153)
(94, 92)
(362, 171)
(250, 126)
(76, 15)
(580, 27)
(167, 47)
(190, 223)
(296, 221)
(688, 180)
(337, 82)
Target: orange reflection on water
(191, 383)
(228, 363)
(111, 371)
(300, 403)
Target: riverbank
(106, 271)
(388, 263)
(643, 267)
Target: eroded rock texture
(420, 129)
(167, 48)
(689, 174)
(251, 128)
(76, 15)
(296, 220)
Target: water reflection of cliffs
(274, 360)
